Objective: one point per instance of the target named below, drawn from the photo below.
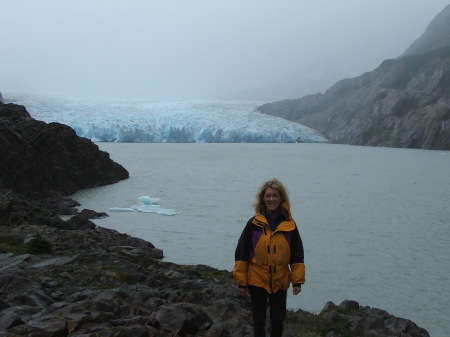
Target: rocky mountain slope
(436, 36)
(405, 102)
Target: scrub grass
(307, 324)
(10, 243)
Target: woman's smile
(272, 200)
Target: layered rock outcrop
(405, 102)
(43, 160)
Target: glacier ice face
(181, 121)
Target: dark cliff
(405, 102)
(42, 160)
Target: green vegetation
(11, 243)
(38, 245)
(205, 272)
(74, 235)
(311, 325)
(128, 278)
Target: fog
(201, 49)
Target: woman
(269, 256)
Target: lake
(375, 222)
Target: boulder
(367, 321)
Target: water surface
(375, 222)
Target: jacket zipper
(271, 279)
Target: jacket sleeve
(297, 259)
(241, 256)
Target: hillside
(405, 102)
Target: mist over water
(374, 221)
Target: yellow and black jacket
(270, 260)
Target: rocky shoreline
(98, 282)
(73, 278)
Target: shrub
(38, 245)
(311, 325)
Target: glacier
(175, 121)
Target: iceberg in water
(146, 205)
(182, 121)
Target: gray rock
(10, 260)
(9, 320)
(55, 261)
(181, 318)
(49, 325)
(366, 321)
(349, 305)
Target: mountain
(436, 36)
(405, 102)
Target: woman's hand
(296, 290)
(243, 292)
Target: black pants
(277, 306)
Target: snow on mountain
(168, 121)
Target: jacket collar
(287, 223)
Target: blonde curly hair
(275, 184)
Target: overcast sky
(201, 49)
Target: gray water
(375, 222)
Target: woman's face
(272, 200)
